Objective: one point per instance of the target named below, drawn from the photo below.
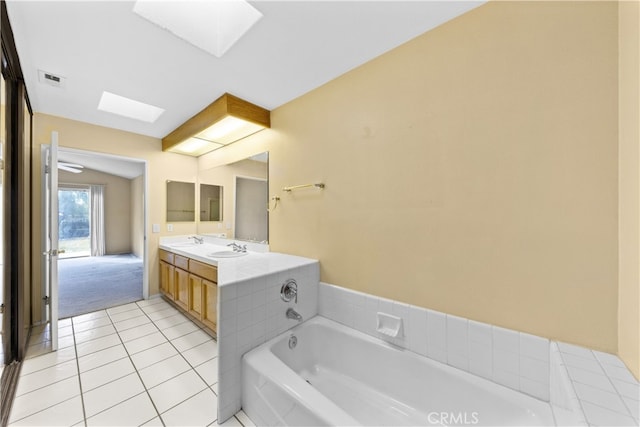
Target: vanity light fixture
(225, 120)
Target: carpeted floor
(93, 283)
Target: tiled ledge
(605, 390)
(514, 359)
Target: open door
(50, 221)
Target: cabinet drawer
(166, 256)
(209, 272)
(180, 261)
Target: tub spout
(292, 314)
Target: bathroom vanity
(191, 285)
(194, 271)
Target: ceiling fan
(70, 167)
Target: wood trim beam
(226, 105)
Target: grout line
(207, 386)
(119, 403)
(48, 384)
(573, 386)
(48, 407)
(84, 412)
(96, 351)
(139, 376)
(135, 303)
(624, 404)
(142, 336)
(129, 356)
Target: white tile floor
(137, 364)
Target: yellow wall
(629, 191)
(472, 170)
(117, 203)
(161, 166)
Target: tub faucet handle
(289, 291)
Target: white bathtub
(341, 377)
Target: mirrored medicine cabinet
(211, 203)
(181, 201)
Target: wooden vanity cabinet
(191, 285)
(203, 291)
(210, 304)
(195, 295)
(181, 295)
(167, 274)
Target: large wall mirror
(181, 201)
(243, 207)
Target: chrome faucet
(292, 314)
(289, 291)
(238, 248)
(198, 240)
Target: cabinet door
(195, 295)
(210, 304)
(181, 282)
(167, 279)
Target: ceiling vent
(50, 79)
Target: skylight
(213, 26)
(116, 104)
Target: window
(74, 222)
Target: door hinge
(2, 308)
(46, 299)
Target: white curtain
(97, 220)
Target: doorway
(102, 223)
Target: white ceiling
(114, 165)
(297, 46)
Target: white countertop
(257, 262)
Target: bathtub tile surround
(250, 312)
(602, 387)
(457, 342)
(516, 360)
(584, 387)
(480, 349)
(436, 341)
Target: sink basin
(226, 254)
(182, 244)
